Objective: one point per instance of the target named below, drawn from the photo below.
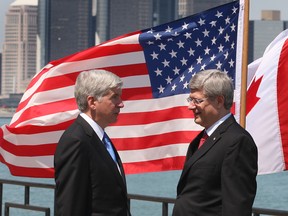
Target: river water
(272, 191)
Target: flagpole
(242, 120)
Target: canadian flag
(267, 105)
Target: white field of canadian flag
(267, 105)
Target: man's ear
(92, 102)
(220, 100)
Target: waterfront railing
(27, 205)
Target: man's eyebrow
(114, 94)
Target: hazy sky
(255, 11)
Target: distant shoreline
(6, 114)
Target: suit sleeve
(72, 178)
(238, 175)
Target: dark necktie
(109, 147)
(203, 139)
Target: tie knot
(205, 135)
(106, 141)
(203, 139)
(105, 138)
(108, 145)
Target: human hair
(95, 83)
(214, 83)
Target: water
(272, 192)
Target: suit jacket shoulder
(87, 179)
(219, 174)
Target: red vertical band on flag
(282, 98)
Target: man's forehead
(114, 91)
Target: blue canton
(175, 51)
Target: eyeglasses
(196, 100)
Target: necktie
(203, 139)
(109, 147)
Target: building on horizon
(263, 32)
(65, 27)
(19, 47)
(270, 14)
(117, 17)
(65, 32)
(190, 7)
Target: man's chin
(198, 121)
(114, 120)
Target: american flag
(154, 128)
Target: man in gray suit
(219, 176)
(89, 175)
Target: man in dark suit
(219, 176)
(89, 175)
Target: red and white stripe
(149, 131)
(150, 134)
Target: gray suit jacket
(220, 177)
(88, 181)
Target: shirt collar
(211, 129)
(98, 130)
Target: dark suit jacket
(88, 181)
(220, 177)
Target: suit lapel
(119, 164)
(109, 161)
(210, 142)
(97, 143)
(197, 153)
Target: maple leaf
(252, 99)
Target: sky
(256, 6)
